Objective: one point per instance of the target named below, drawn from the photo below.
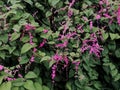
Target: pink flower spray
(29, 27)
(118, 15)
(45, 31)
(91, 25)
(1, 67)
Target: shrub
(59, 45)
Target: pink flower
(106, 2)
(91, 25)
(20, 76)
(62, 45)
(106, 15)
(32, 59)
(92, 45)
(70, 13)
(29, 27)
(34, 50)
(65, 27)
(31, 37)
(76, 64)
(79, 27)
(98, 17)
(85, 18)
(100, 2)
(118, 15)
(104, 10)
(66, 60)
(57, 57)
(54, 67)
(43, 43)
(70, 35)
(1, 67)
(10, 79)
(45, 31)
(71, 3)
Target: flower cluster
(92, 45)
(33, 57)
(29, 27)
(118, 15)
(1, 67)
(42, 43)
(59, 59)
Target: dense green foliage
(59, 45)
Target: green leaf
(15, 88)
(24, 59)
(18, 82)
(1, 79)
(5, 86)
(46, 35)
(40, 29)
(10, 12)
(2, 55)
(68, 86)
(48, 13)
(72, 54)
(25, 16)
(13, 1)
(37, 86)
(112, 66)
(114, 72)
(39, 6)
(88, 88)
(97, 85)
(17, 27)
(51, 42)
(51, 63)
(71, 73)
(4, 38)
(53, 2)
(55, 35)
(1, 3)
(86, 67)
(29, 85)
(45, 87)
(23, 21)
(26, 47)
(112, 45)
(87, 35)
(114, 36)
(5, 47)
(117, 53)
(22, 88)
(105, 51)
(38, 80)
(17, 16)
(41, 54)
(45, 58)
(117, 77)
(30, 74)
(105, 35)
(88, 12)
(11, 49)
(25, 39)
(112, 27)
(0, 43)
(29, 2)
(15, 6)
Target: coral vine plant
(59, 45)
